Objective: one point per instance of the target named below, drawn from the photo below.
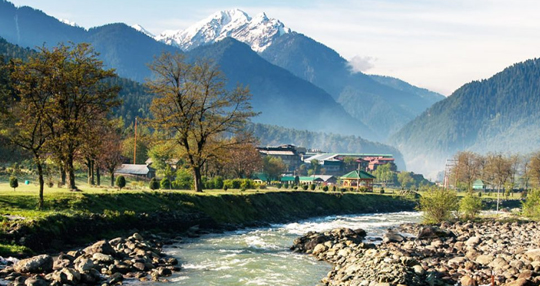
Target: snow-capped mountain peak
(258, 32)
(143, 30)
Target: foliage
(312, 187)
(405, 179)
(384, 174)
(325, 188)
(437, 205)
(165, 184)
(531, 206)
(305, 187)
(154, 184)
(273, 167)
(470, 206)
(193, 109)
(13, 182)
(120, 182)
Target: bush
(286, 186)
(325, 188)
(227, 184)
(305, 187)
(312, 187)
(295, 187)
(154, 184)
(218, 182)
(334, 188)
(120, 182)
(531, 206)
(165, 184)
(236, 183)
(278, 185)
(437, 205)
(382, 190)
(262, 186)
(470, 206)
(246, 184)
(13, 182)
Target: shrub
(470, 206)
(154, 184)
(218, 182)
(286, 185)
(165, 184)
(278, 185)
(227, 184)
(13, 182)
(531, 206)
(334, 188)
(312, 187)
(325, 188)
(236, 183)
(120, 182)
(437, 205)
(246, 184)
(262, 186)
(295, 187)
(305, 187)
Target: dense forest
(496, 114)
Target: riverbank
(74, 219)
(466, 253)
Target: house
(479, 185)
(136, 171)
(334, 163)
(260, 178)
(291, 155)
(327, 179)
(357, 179)
(288, 180)
(311, 180)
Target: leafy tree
(110, 154)
(405, 179)
(13, 182)
(193, 109)
(120, 182)
(314, 167)
(243, 160)
(72, 79)
(498, 171)
(154, 184)
(534, 168)
(470, 206)
(437, 205)
(467, 169)
(531, 206)
(384, 174)
(165, 184)
(273, 167)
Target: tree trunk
(197, 179)
(41, 180)
(70, 170)
(112, 177)
(98, 176)
(89, 173)
(62, 175)
(92, 178)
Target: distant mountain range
(499, 114)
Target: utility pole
(448, 167)
(135, 144)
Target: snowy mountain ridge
(143, 30)
(257, 32)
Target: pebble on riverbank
(450, 254)
(102, 263)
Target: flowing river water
(261, 256)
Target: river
(261, 256)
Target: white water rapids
(261, 256)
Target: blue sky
(435, 44)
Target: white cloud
(361, 64)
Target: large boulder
(102, 246)
(37, 264)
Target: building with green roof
(358, 179)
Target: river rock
(468, 281)
(36, 264)
(484, 259)
(102, 246)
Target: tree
(384, 174)
(13, 182)
(193, 109)
(273, 167)
(110, 154)
(121, 182)
(531, 206)
(22, 121)
(534, 168)
(466, 169)
(405, 179)
(243, 160)
(498, 171)
(470, 206)
(78, 98)
(165, 184)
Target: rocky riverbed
(468, 254)
(102, 263)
